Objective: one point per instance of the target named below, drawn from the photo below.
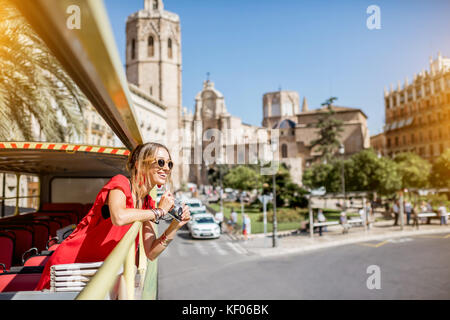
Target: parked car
(203, 225)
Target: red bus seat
(20, 279)
(24, 240)
(7, 242)
(78, 208)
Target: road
(409, 268)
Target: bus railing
(123, 255)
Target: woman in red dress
(119, 203)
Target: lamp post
(274, 234)
(342, 152)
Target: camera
(177, 210)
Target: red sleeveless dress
(95, 237)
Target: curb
(266, 252)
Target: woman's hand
(167, 201)
(185, 216)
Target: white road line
(219, 249)
(236, 248)
(200, 248)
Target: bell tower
(153, 63)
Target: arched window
(169, 47)
(133, 49)
(284, 151)
(155, 5)
(151, 47)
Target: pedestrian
(395, 209)
(247, 226)
(234, 217)
(408, 209)
(219, 218)
(415, 215)
(321, 218)
(343, 221)
(442, 210)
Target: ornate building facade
(418, 113)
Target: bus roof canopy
(61, 159)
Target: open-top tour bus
(67, 177)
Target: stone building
(418, 113)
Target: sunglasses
(161, 163)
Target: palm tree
(34, 88)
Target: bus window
(81, 190)
(18, 193)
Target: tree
(33, 85)
(440, 171)
(364, 171)
(329, 132)
(288, 193)
(413, 170)
(242, 178)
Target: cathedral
(211, 134)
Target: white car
(195, 205)
(203, 225)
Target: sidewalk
(294, 242)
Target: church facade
(210, 134)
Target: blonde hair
(138, 166)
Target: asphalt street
(408, 268)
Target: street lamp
(274, 234)
(342, 152)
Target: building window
(441, 149)
(431, 150)
(169, 47)
(389, 142)
(151, 47)
(284, 151)
(396, 141)
(430, 135)
(412, 138)
(404, 140)
(151, 90)
(133, 49)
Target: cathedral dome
(284, 124)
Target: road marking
(200, 248)
(375, 245)
(219, 249)
(236, 248)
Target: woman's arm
(121, 215)
(154, 246)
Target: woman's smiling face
(158, 175)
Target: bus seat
(20, 279)
(41, 231)
(24, 240)
(68, 215)
(38, 260)
(78, 208)
(7, 242)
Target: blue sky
(317, 48)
